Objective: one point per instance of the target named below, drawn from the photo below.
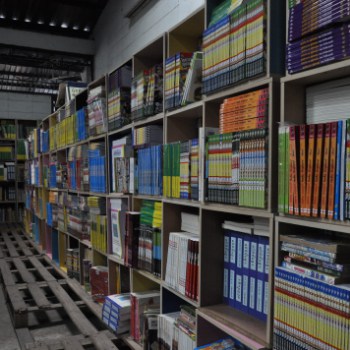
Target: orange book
(310, 169)
(325, 168)
(303, 150)
(332, 169)
(317, 173)
(293, 178)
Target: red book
(325, 170)
(317, 173)
(332, 169)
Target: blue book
(226, 284)
(253, 275)
(260, 282)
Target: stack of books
(122, 158)
(148, 176)
(7, 131)
(78, 219)
(53, 172)
(98, 223)
(118, 211)
(236, 168)
(234, 45)
(119, 97)
(147, 93)
(246, 268)
(181, 169)
(318, 33)
(148, 136)
(182, 263)
(82, 124)
(116, 312)
(244, 112)
(176, 69)
(99, 283)
(97, 167)
(96, 107)
(308, 299)
(7, 171)
(6, 153)
(141, 304)
(73, 263)
(22, 149)
(149, 238)
(314, 170)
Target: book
(118, 209)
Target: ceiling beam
(43, 41)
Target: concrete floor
(8, 337)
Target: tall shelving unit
(214, 319)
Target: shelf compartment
(179, 295)
(148, 275)
(247, 329)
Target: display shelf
(149, 120)
(185, 202)
(122, 130)
(115, 259)
(241, 326)
(131, 342)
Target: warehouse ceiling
(40, 71)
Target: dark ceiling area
(39, 71)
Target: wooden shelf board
(148, 120)
(7, 140)
(324, 224)
(185, 202)
(118, 195)
(193, 110)
(115, 259)
(245, 328)
(152, 198)
(97, 137)
(148, 275)
(319, 74)
(8, 202)
(86, 243)
(132, 343)
(188, 300)
(237, 89)
(121, 130)
(234, 209)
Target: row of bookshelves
(199, 204)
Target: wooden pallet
(13, 244)
(102, 340)
(29, 269)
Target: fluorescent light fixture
(27, 20)
(64, 25)
(75, 27)
(40, 21)
(86, 29)
(15, 18)
(2, 16)
(52, 24)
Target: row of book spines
(327, 308)
(306, 18)
(8, 131)
(246, 272)
(314, 169)
(242, 59)
(97, 176)
(99, 232)
(176, 69)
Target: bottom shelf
(245, 328)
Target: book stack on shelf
(73, 263)
(148, 172)
(78, 218)
(149, 237)
(99, 282)
(312, 292)
(181, 169)
(7, 171)
(147, 93)
(97, 167)
(177, 330)
(141, 304)
(98, 223)
(246, 268)
(234, 44)
(147, 136)
(7, 130)
(22, 152)
(122, 159)
(96, 107)
(82, 124)
(182, 260)
(116, 312)
(237, 160)
(119, 96)
(317, 34)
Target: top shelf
(319, 74)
